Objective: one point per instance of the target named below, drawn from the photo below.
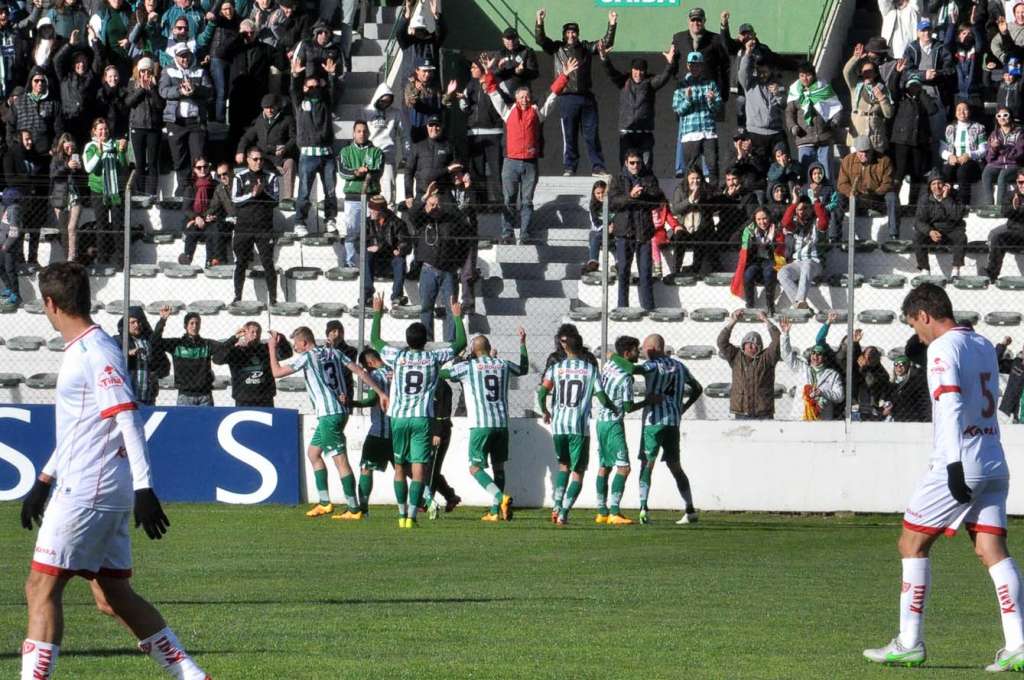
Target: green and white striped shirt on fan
(485, 380)
(573, 384)
(665, 376)
(617, 383)
(324, 371)
(415, 379)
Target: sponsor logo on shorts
(976, 431)
(46, 551)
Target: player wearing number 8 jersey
(416, 371)
(572, 383)
(323, 369)
(485, 383)
(967, 482)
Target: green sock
(365, 487)
(499, 479)
(570, 496)
(561, 480)
(415, 496)
(602, 494)
(348, 485)
(401, 493)
(618, 486)
(484, 480)
(321, 486)
(645, 486)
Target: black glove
(149, 514)
(957, 486)
(34, 503)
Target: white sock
(917, 578)
(38, 659)
(1007, 582)
(164, 648)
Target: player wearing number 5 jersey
(967, 482)
(323, 369)
(572, 383)
(485, 383)
(416, 371)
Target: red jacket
(523, 126)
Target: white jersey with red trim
(89, 461)
(963, 379)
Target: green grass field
(266, 593)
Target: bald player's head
(654, 345)
(481, 346)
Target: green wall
(785, 25)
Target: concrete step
(361, 79)
(551, 271)
(367, 63)
(378, 31)
(542, 254)
(541, 307)
(532, 288)
(368, 47)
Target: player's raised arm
(363, 375)
(524, 360)
(459, 343)
(378, 310)
(276, 369)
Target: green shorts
(661, 437)
(330, 435)
(376, 453)
(611, 444)
(410, 440)
(487, 442)
(572, 450)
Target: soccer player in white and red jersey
(967, 482)
(99, 472)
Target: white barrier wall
(732, 465)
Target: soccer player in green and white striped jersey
(324, 371)
(572, 382)
(485, 384)
(665, 377)
(377, 445)
(416, 372)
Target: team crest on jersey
(938, 366)
(109, 379)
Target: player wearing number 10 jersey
(323, 369)
(485, 383)
(967, 482)
(416, 371)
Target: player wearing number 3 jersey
(967, 482)
(416, 371)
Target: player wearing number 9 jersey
(416, 371)
(967, 482)
(485, 383)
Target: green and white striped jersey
(415, 379)
(665, 376)
(380, 424)
(618, 385)
(324, 371)
(485, 381)
(573, 383)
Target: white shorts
(933, 510)
(76, 541)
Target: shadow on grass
(351, 601)
(111, 653)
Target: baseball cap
(425, 63)
(819, 349)
(1013, 66)
(433, 120)
(746, 28)
(924, 24)
(741, 137)
(181, 48)
(269, 101)
(334, 325)
(901, 359)
(694, 58)
(697, 13)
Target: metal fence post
(127, 264)
(851, 242)
(362, 268)
(604, 278)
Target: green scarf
(809, 98)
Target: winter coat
(428, 162)
(819, 132)
(580, 81)
(716, 56)
(25, 172)
(148, 364)
(752, 392)
(267, 134)
(76, 91)
(145, 107)
(416, 47)
(633, 219)
(1011, 97)
(911, 124)
(911, 402)
(383, 123)
(875, 175)
(251, 379)
(523, 127)
(43, 117)
(509, 60)
(389, 234)
(765, 110)
(439, 242)
(112, 105)
(945, 215)
(170, 81)
(314, 123)
(1010, 150)
(826, 380)
(65, 183)
(868, 115)
(637, 100)
(478, 109)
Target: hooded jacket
(252, 383)
(41, 116)
(911, 124)
(267, 134)
(580, 81)
(76, 91)
(190, 356)
(753, 380)
(147, 363)
(383, 123)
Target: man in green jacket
(361, 166)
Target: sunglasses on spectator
(181, 28)
(39, 80)
(1002, 115)
(1020, 181)
(258, 159)
(201, 166)
(633, 162)
(223, 174)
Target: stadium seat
(484, 244)
(288, 309)
(897, 247)
(971, 282)
(11, 379)
(302, 273)
(896, 352)
(709, 314)
(937, 279)
(143, 271)
(585, 313)
(405, 312)
(220, 271)
(206, 307)
(887, 281)
(292, 383)
(719, 279)
(717, 390)
(366, 311)
(992, 319)
(977, 247)
(99, 270)
(839, 280)
(25, 343)
(794, 315)
(42, 381)
(342, 274)
(327, 310)
(876, 316)
(860, 247)
(155, 306)
(594, 278)
(160, 237)
(173, 270)
(680, 280)
(116, 307)
(966, 316)
(318, 241)
(33, 306)
(8, 308)
(1010, 283)
(695, 352)
(256, 272)
(748, 315)
(245, 308)
(221, 382)
(55, 344)
(667, 314)
(286, 238)
(626, 314)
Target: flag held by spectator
(818, 95)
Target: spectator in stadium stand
(693, 206)
(38, 110)
(818, 388)
(220, 34)
(252, 383)
(762, 247)
(596, 238)
(384, 120)
(388, 244)
(523, 121)
(806, 224)
(871, 383)
(423, 102)
(421, 31)
(360, 168)
(969, 47)
(517, 64)
(940, 221)
(15, 52)
(146, 363)
(26, 169)
(273, 132)
(764, 102)
(185, 89)
(291, 25)
(254, 192)
(441, 253)
(819, 188)
(428, 160)
(190, 357)
(460, 193)
(577, 105)
(752, 392)
(711, 46)
(761, 54)
(868, 174)
(110, 29)
(637, 91)
(962, 151)
(632, 195)
(1012, 402)
(1009, 38)
(484, 130)
(313, 102)
(180, 35)
(909, 400)
(265, 15)
(68, 185)
(696, 103)
(111, 103)
(899, 21)
(1010, 87)
(197, 203)
(75, 66)
(912, 147)
(813, 112)
(248, 79)
(784, 170)
(10, 257)
(735, 206)
(1003, 157)
(934, 66)
(749, 168)
(871, 104)
(314, 52)
(106, 161)
(564, 331)
(183, 9)
(145, 113)
(1009, 236)
(144, 35)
